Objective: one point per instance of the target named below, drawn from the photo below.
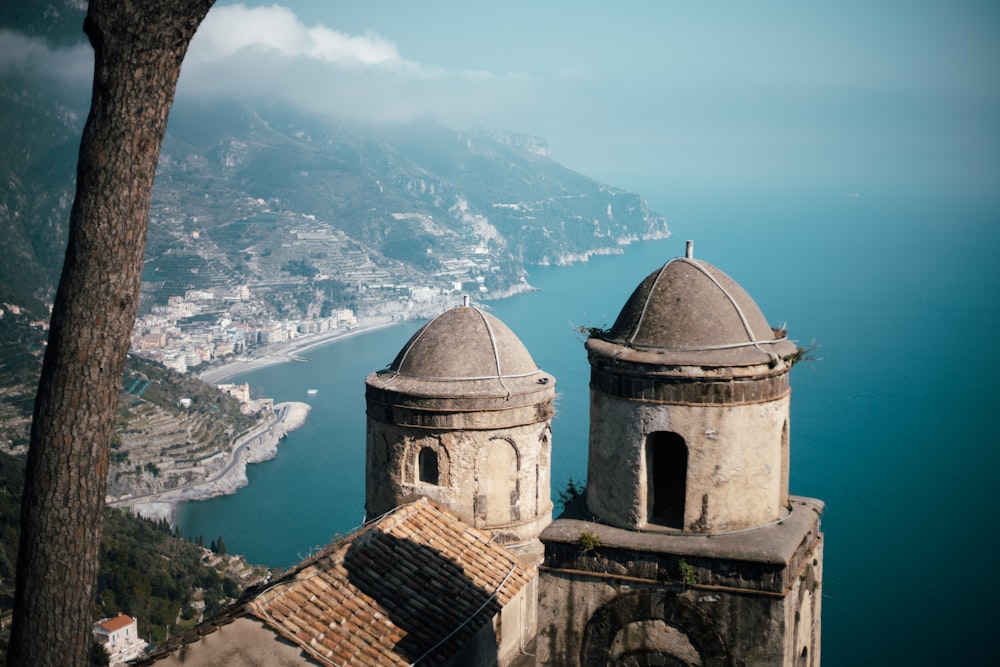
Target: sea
(894, 420)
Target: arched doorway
(498, 481)
(666, 478)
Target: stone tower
(463, 416)
(689, 550)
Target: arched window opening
(427, 466)
(666, 469)
(498, 482)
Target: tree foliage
(148, 573)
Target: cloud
(32, 58)
(230, 29)
(269, 51)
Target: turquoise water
(892, 426)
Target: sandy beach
(284, 352)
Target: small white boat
(312, 391)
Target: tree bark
(138, 49)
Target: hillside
(307, 211)
(161, 444)
(265, 217)
(158, 442)
(164, 580)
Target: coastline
(285, 352)
(163, 505)
(261, 444)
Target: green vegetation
(154, 429)
(21, 347)
(589, 542)
(150, 395)
(589, 332)
(148, 573)
(573, 492)
(335, 295)
(146, 570)
(300, 267)
(687, 574)
(802, 354)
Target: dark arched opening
(602, 643)
(427, 466)
(666, 466)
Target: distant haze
(847, 96)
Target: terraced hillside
(172, 430)
(22, 343)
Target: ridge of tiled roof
(412, 586)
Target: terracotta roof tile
(392, 592)
(116, 623)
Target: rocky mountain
(253, 192)
(303, 213)
(247, 194)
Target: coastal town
(192, 319)
(217, 336)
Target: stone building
(686, 548)
(119, 635)
(463, 417)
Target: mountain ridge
(303, 215)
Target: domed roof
(463, 369)
(690, 312)
(464, 343)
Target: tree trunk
(138, 49)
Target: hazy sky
(643, 95)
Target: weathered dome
(690, 312)
(464, 344)
(466, 354)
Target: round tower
(689, 407)
(463, 416)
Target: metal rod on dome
(689, 250)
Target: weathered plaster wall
(735, 467)
(803, 613)
(495, 480)
(246, 642)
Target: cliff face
(227, 473)
(172, 430)
(265, 195)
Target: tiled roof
(116, 623)
(413, 586)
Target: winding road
(177, 493)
